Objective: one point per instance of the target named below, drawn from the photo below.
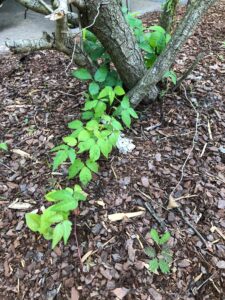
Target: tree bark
(36, 6)
(166, 59)
(168, 14)
(112, 30)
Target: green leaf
(171, 74)
(58, 195)
(67, 228)
(82, 74)
(92, 125)
(70, 141)
(75, 124)
(167, 254)
(153, 265)
(75, 168)
(150, 251)
(154, 235)
(146, 47)
(72, 155)
(79, 194)
(57, 235)
(116, 124)
(3, 146)
(105, 147)
(60, 157)
(164, 267)
(111, 96)
(133, 113)
(125, 103)
(105, 92)
(126, 118)
(93, 88)
(85, 175)
(65, 205)
(157, 28)
(100, 109)
(92, 165)
(84, 146)
(84, 135)
(101, 74)
(87, 115)
(164, 238)
(119, 91)
(60, 147)
(94, 152)
(113, 138)
(33, 221)
(90, 104)
(112, 78)
(157, 40)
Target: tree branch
(166, 59)
(168, 14)
(38, 7)
(22, 46)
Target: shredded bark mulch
(37, 101)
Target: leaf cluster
(54, 222)
(161, 255)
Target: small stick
(7, 167)
(152, 210)
(203, 150)
(207, 244)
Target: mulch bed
(37, 102)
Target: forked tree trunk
(105, 19)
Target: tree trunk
(168, 14)
(107, 22)
(112, 30)
(167, 58)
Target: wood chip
(120, 216)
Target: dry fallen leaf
(121, 216)
(172, 202)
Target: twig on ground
(207, 244)
(7, 167)
(151, 209)
(153, 127)
(196, 289)
(193, 144)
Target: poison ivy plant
(106, 112)
(54, 223)
(161, 255)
